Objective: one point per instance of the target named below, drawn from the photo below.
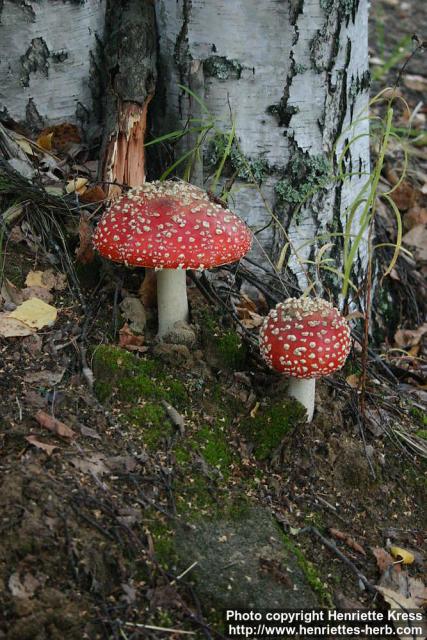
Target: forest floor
(182, 481)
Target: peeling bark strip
(130, 69)
(295, 75)
(47, 58)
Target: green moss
(311, 574)
(271, 424)
(250, 169)
(163, 540)
(232, 350)
(222, 68)
(420, 416)
(422, 433)
(213, 445)
(305, 175)
(132, 379)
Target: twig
(333, 547)
(155, 628)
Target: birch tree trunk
(293, 74)
(49, 61)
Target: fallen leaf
(53, 424)
(404, 196)
(13, 328)
(10, 293)
(414, 217)
(47, 279)
(35, 313)
(405, 338)
(77, 185)
(64, 136)
(47, 448)
(89, 433)
(148, 290)
(45, 141)
(23, 588)
(84, 252)
(417, 237)
(402, 554)
(348, 540)
(128, 340)
(95, 465)
(384, 559)
(45, 377)
(353, 380)
(133, 311)
(93, 194)
(37, 292)
(415, 82)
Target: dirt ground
(178, 451)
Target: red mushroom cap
(171, 225)
(305, 338)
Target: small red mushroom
(305, 338)
(170, 226)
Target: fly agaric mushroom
(306, 338)
(170, 226)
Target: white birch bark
(48, 60)
(294, 75)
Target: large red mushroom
(305, 338)
(170, 226)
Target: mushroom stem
(303, 389)
(172, 301)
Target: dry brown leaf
(10, 293)
(23, 588)
(406, 338)
(47, 448)
(148, 290)
(85, 253)
(45, 377)
(37, 292)
(384, 559)
(93, 194)
(415, 82)
(45, 141)
(54, 425)
(353, 380)
(404, 196)
(348, 540)
(417, 237)
(95, 465)
(128, 340)
(414, 217)
(13, 328)
(64, 136)
(48, 279)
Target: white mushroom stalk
(305, 338)
(304, 390)
(172, 303)
(170, 227)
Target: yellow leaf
(25, 146)
(254, 411)
(35, 313)
(45, 141)
(77, 184)
(402, 554)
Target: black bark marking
(36, 58)
(32, 117)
